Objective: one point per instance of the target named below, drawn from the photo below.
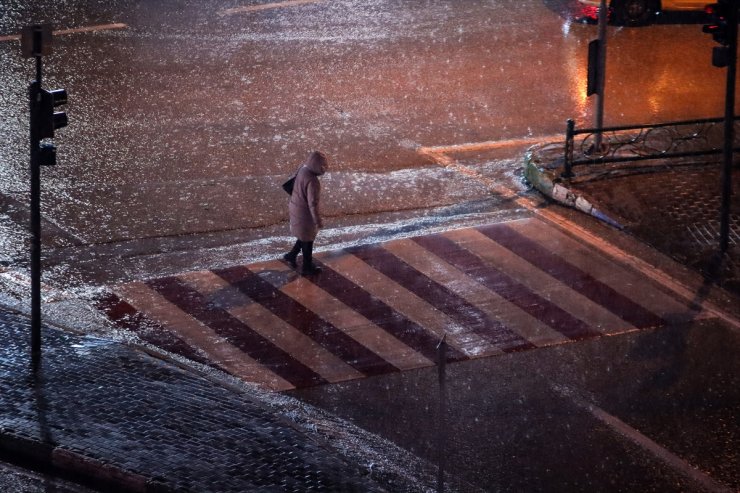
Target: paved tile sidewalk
(112, 415)
(676, 211)
(672, 206)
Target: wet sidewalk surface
(676, 210)
(673, 206)
(121, 419)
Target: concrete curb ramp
(545, 177)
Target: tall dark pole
(35, 97)
(724, 224)
(35, 43)
(601, 75)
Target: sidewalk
(101, 413)
(673, 207)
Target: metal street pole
(33, 42)
(601, 75)
(729, 130)
(35, 93)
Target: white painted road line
(657, 275)
(658, 451)
(440, 155)
(62, 32)
(489, 145)
(267, 6)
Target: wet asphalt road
(183, 124)
(185, 121)
(650, 411)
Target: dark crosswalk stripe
(129, 318)
(441, 297)
(236, 332)
(572, 276)
(382, 315)
(507, 287)
(308, 322)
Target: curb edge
(546, 183)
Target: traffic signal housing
(47, 155)
(44, 120)
(720, 30)
(49, 119)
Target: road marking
(439, 155)
(658, 451)
(62, 32)
(379, 308)
(542, 285)
(262, 321)
(487, 145)
(495, 307)
(309, 322)
(357, 298)
(641, 266)
(444, 299)
(609, 271)
(355, 325)
(267, 6)
(199, 335)
(580, 281)
(410, 305)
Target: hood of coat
(317, 163)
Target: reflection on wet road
(183, 122)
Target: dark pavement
(676, 210)
(649, 411)
(137, 170)
(576, 369)
(115, 418)
(641, 406)
(643, 396)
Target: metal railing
(680, 139)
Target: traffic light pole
(729, 130)
(601, 75)
(35, 43)
(35, 97)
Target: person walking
(303, 209)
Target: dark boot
(308, 266)
(291, 256)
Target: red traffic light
(719, 29)
(719, 11)
(711, 9)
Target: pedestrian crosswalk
(383, 308)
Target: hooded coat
(303, 208)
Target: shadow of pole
(442, 418)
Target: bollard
(568, 158)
